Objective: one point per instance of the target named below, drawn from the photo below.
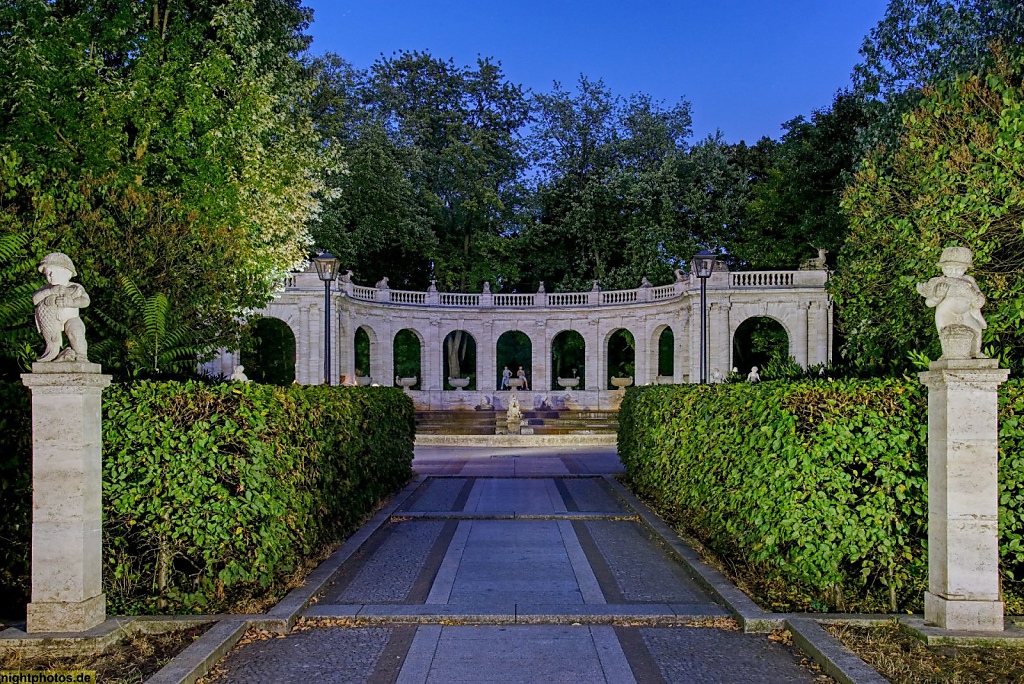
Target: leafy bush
(819, 486)
(212, 493)
(15, 493)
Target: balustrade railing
(568, 299)
(763, 279)
(515, 299)
(741, 280)
(619, 297)
(406, 297)
(459, 299)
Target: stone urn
(363, 380)
(459, 383)
(568, 383)
(405, 383)
(622, 383)
(515, 383)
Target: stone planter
(515, 383)
(405, 383)
(459, 383)
(568, 383)
(363, 380)
(622, 383)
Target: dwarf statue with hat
(57, 306)
(957, 301)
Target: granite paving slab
(590, 495)
(388, 572)
(642, 570)
(334, 655)
(437, 494)
(515, 655)
(713, 656)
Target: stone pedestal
(963, 495)
(67, 511)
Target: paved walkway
(530, 569)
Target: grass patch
(131, 661)
(903, 659)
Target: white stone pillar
(641, 354)
(486, 348)
(720, 332)
(67, 488)
(432, 379)
(798, 345)
(597, 377)
(316, 345)
(963, 494)
(540, 375)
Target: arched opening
(621, 356)
(757, 342)
(459, 360)
(515, 353)
(269, 352)
(406, 352)
(568, 360)
(362, 354)
(666, 353)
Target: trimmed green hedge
(212, 493)
(815, 486)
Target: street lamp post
(327, 268)
(703, 265)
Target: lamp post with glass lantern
(703, 265)
(327, 268)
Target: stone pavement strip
(515, 567)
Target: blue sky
(745, 66)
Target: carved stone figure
(957, 300)
(644, 282)
(817, 263)
(487, 288)
(680, 276)
(716, 375)
(239, 375)
(57, 305)
(346, 277)
(513, 416)
(541, 290)
(382, 284)
(485, 404)
(753, 375)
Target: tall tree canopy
(955, 178)
(167, 141)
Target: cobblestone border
(99, 638)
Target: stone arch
(663, 352)
(620, 347)
(459, 346)
(365, 348)
(568, 358)
(514, 348)
(757, 339)
(407, 355)
(270, 355)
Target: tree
(955, 178)
(607, 195)
(793, 207)
(166, 141)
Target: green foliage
(152, 340)
(212, 493)
(793, 210)
(568, 358)
(166, 141)
(759, 341)
(816, 486)
(621, 356)
(955, 178)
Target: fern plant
(151, 341)
(17, 283)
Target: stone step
(563, 422)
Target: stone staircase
(551, 422)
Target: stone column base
(67, 617)
(963, 615)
